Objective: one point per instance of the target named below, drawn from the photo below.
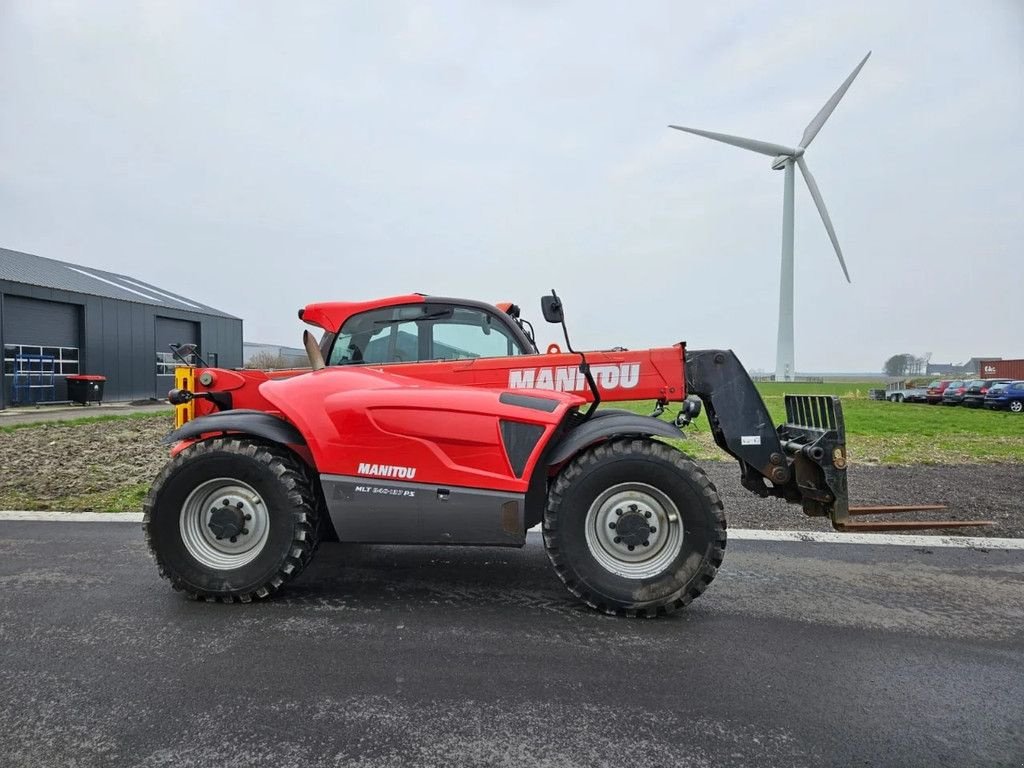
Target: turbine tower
(784, 159)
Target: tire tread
(567, 478)
(300, 488)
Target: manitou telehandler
(429, 420)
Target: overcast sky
(260, 156)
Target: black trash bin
(84, 389)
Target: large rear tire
(634, 527)
(232, 519)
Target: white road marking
(736, 534)
(74, 517)
(888, 539)
(875, 539)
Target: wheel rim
(1017, 406)
(628, 512)
(228, 508)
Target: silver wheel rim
(1017, 406)
(223, 554)
(634, 501)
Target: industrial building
(59, 319)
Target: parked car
(953, 394)
(1010, 396)
(974, 397)
(935, 390)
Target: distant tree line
(265, 360)
(906, 364)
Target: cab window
(469, 333)
(388, 335)
(420, 332)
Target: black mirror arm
(584, 366)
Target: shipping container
(1002, 369)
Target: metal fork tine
(909, 525)
(895, 509)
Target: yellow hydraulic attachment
(184, 379)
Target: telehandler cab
(430, 420)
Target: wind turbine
(784, 159)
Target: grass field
(8, 428)
(880, 432)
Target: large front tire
(232, 519)
(633, 527)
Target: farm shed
(59, 319)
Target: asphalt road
(799, 654)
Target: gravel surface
(971, 491)
(81, 467)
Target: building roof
(18, 267)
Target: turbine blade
(819, 119)
(813, 187)
(764, 147)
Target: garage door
(39, 337)
(169, 331)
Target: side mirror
(551, 306)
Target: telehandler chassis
(429, 444)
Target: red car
(936, 389)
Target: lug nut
(245, 531)
(618, 512)
(632, 507)
(618, 540)
(238, 505)
(631, 547)
(647, 513)
(234, 539)
(653, 529)
(611, 525)
(248, 516)
(225, 502)
(647, 543)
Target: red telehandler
(429, 420)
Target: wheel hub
(224, 523)
(634, 530)
(228, 520)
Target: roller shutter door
(38, 327)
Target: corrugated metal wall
(117, 338)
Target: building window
(166, 362)
(65, 359)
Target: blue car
(1009, 396)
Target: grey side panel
(379, 511)
(615, 424)
(247, 421)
